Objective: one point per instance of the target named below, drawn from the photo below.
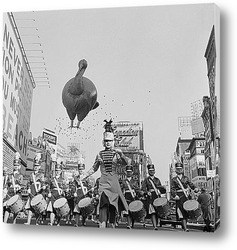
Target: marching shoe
(27, 223)
(128, 227)
(155, 228)
(102, 225)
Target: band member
(14, 183)
(6, 185)
(36, 185)
(111, 196)
(95, 217)
(55, 192)
(180, 186)
(69, 195)
(82, 188)
(153, 189)
(205, 200)
(130, 188)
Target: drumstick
(33, 177)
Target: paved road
(121, 225)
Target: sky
(147, 64)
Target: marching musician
(36, 185)
(111, 196)
(14, 183)
(130, 188)
(55, 192)
(152, 189)
(180, 185)
(96, 201)
(69, 195)
(6, 185)
(82, 188)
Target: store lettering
(20, 140)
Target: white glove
(49, 195)
(28, 191)
(75, 194)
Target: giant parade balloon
(79, 95)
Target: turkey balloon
(79, 95)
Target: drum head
(84, 202)
(190, 205)
(160, 201)
(12, 200)
(59, 202)
(135, 206)
(36, 199)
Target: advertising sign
(128, 135)
(52, 140)
(17, 91)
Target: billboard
(128, 135)
(17, 91)
(52, 140)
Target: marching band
(77, 200)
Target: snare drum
(86, 206)
(137, 210)
(61, 206)
(193, 209)
(15, 204)
(39, 203)
(161, 206)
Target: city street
(122, 225)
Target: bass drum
(15, 204)
(193, 209)
(61, 206)
(39, 203)
(137, 210)
(86, 206)
(161, 207)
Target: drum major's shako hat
(151, 167)
(108, 134)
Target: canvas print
(111, 118)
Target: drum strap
(130, 189)
(14, 184)
(182, 187)
(154, 187)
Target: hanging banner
(17, 91)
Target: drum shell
(139, 213)
(192, 209)
(86, 207)
(162, 207)
(62, 208)
(15, 204)
(39, 204)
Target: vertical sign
(17, 91)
